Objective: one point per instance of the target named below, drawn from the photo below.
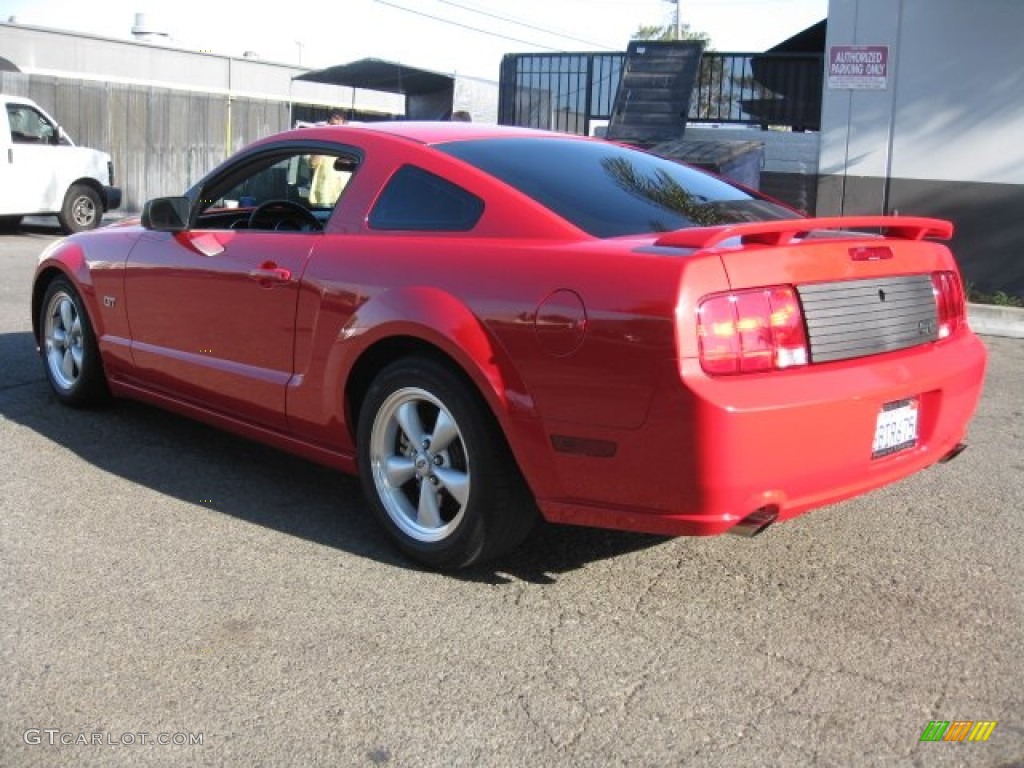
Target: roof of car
(432, 132)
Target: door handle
(273, 274)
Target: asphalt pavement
(172, 595)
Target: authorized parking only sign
(858, 67)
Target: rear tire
(9, 223)
(436, 468)
(71, 358)
(82, 209)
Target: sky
(465, 37)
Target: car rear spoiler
(783, 232)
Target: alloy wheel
(420, 467)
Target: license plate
(895, 428)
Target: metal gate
(569, 92)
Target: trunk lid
(861, 294)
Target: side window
(29, 126)
(279, 192)
(275, 182)
(418, 200)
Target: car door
(212, 309)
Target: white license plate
(895, 428)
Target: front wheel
(82, 209)
(436, 468)
(71, 357)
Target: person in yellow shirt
(328, 182)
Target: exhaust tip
(960, 448)
(755, 522)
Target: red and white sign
(858, 66)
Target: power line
(467, 26)
(510, 20)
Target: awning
(810, 40)
(428, 95)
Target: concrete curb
(992, 320)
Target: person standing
(328, 182)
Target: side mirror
(166, 214)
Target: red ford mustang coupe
(490, 323)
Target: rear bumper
(111, 198)
(715, 450)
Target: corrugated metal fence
(161, 141)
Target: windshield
(608, 190)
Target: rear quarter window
(417, 200)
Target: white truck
(42, 172)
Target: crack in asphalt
(840, 668)
(643, 597)
(539, 726)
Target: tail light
(949, 303)
(749, 331)
(110, 172)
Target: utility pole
(679, 18)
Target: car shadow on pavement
(198, 464)
(553, 549)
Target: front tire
(71, 358)
(436, 468)
(82, 209)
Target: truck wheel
(9, 223)
(82, 209)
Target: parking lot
(172, 595)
